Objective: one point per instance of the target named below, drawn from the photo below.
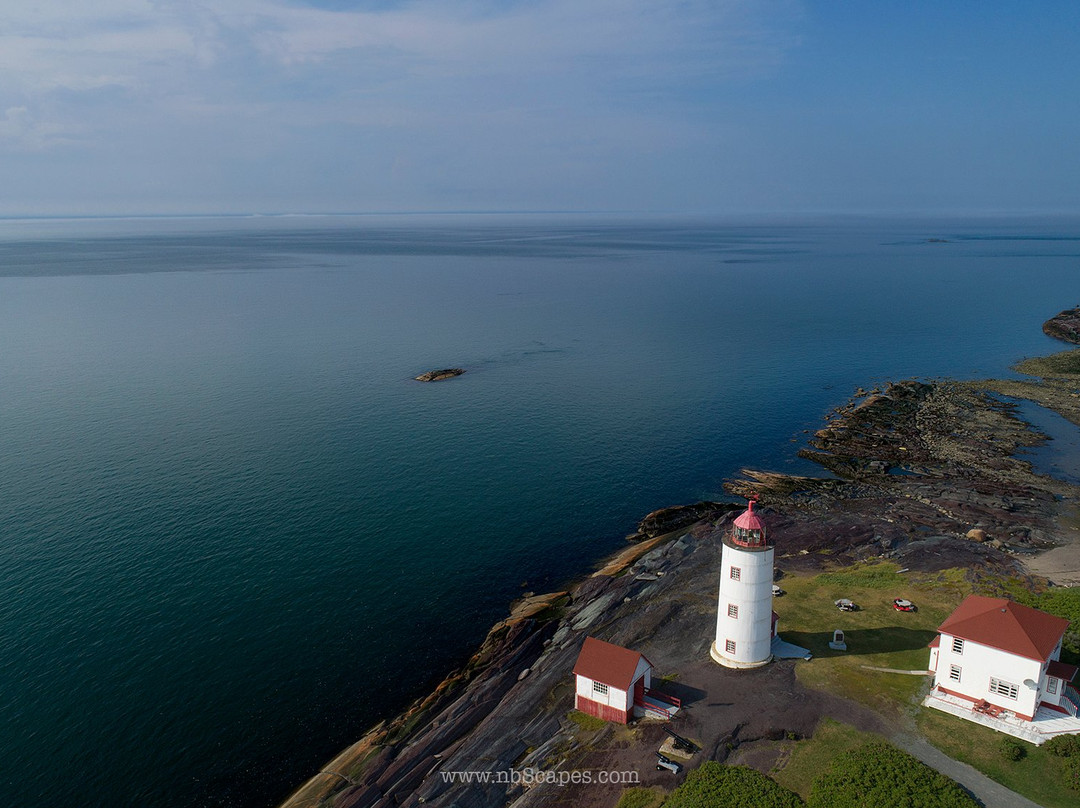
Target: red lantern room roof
(749, 530)
(749, 520)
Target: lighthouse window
(954, 673)
(599, 688)
(733, 611)
(1051, 685)
(957, 645)
(729, 646)
(735, 573)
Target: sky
(144, 107)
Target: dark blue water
(234, 533)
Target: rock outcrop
(1064, 326)
(439, 375)
(676, 517)
(931, 458)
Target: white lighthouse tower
(745, 621)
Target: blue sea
(234, 533)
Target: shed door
(639, 690)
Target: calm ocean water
(234, 532)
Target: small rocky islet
(439, 375)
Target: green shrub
(1011, 749)
(714, 785)
(880, 775)
(1072, 773)
(1063, 746)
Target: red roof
(934, 643)
(1005, 625)
(1060, 670)
(611, 664)
(748, 520)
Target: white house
(1003, 658)
(611, 680)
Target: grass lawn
(642, 798)
(1038, 775)
(810, 757)
(877, 635)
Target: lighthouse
(745, 621)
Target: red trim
(1057, 708)
(959, 695)
(601, 711)
(966, 697)
(663, 697)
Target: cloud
(459, 81)
(254, 43)
(20, 130)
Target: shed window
(957, 645)
(954, 673)
(1006, 689)
(736, 573)
(733, 611)
(599, 688)
(1051, 684)
(729, 646)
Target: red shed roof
(1002, 624)
(1061, 670)
(611, 664)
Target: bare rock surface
(1064, 326)
(439, 375)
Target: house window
(733, 611)
(729, 646)
(1051, 685)
(954, 673)
(599, 688)
(1006, 689)
(735, 573)
(957, 645)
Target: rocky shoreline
(922, 472)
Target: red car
(902, 605)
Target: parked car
(846, 605)
(902, 605)
(777, 591)
(664, 762)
